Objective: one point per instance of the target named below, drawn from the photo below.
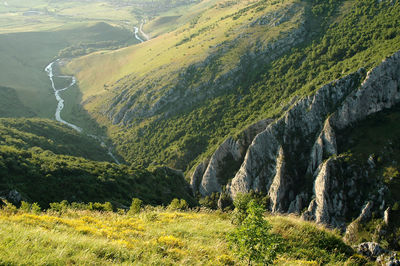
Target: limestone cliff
(293, 158)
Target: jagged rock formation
(371, 250)
(294, 158)
(211, 174)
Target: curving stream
(60, 101)
(139, 30)
(60, 106)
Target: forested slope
(46, 162)
(211, 78)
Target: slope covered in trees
(173, 99)
(46, 162)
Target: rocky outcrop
(295, 133)
(324, 147)
(294, 158)
(279, 184)
(227, 153)
(209, 176)
(12, 196)
(371, 250)
(197, 176)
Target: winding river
(60, 101)
(139, 30)
(60, 105)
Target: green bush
(210, 202)
(35, 208)
(241, 205)
(135, 206)
(177, 204)
(97, 206)
(25, 207)
(252, 240)
(8, 207)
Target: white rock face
(301, 145)
(209, 181)
(324, 146)
(205, 178)
(279, 183)
(197, 176)
(295, 132)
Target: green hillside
(206, 70)
(48, 135)
(11, 105)
(173, 99)
(46, 161)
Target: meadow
(154, 236)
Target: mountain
(310, 162)
(293, 103)
(175, 98)
(261, 96)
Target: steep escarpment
(210, 174)
(295, 159)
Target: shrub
(210, 202)
(135, 206)
(241, 205)
(59, 207)
(97, 206)
(252, 240)
(177, 204)
(8, 207)
(35, 208)
(25, 206)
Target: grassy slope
(152, 237)
(184, 137)
(44, 177)
(11, 105)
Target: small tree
(177, 204)
(135, 206)
(35, 208)
(241, 203)
(252, 240)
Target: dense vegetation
(36, 133)
(46, 161)
(341, 36)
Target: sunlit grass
(153, 236)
